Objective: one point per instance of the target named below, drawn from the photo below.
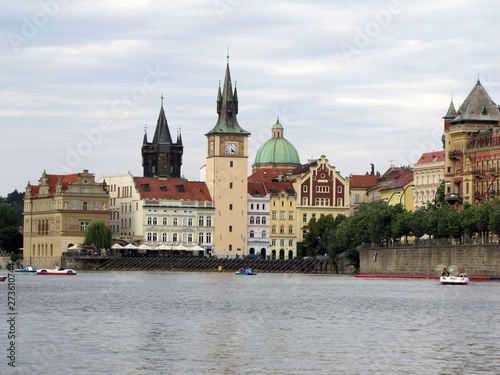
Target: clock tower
(227, 174)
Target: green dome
(277, 151)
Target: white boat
(55, 271)
(452, 280)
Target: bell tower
(227, 173)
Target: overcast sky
(358, 81)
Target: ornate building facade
(428, 174)
(57, 213)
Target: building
(321, 191)
(375, 193)
(57, 213)
(283, 207)
(471, 149)
(400, 192)
(162, 157)
(277, 152)
(226, 174)
(359, 185)
(162, 213)
(428, 175)
(259, 199)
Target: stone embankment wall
(478, 260)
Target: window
(273, 229)
(201, 221)
(230, 185)
(231, 163)
(190, 222)
(257, 206)
(200, 237)
(291, 204)
(257, 220)
(339, 189)
(339, 201)
(209, 221)
(304, 218)
(190, 237)
(290, 242)
(230, 228)
(282, 242)
(282, 229)
(252, 220)
(304, 201)
(274, 215)
(209, 237)
(264, 234)
(149, 236)
(155, 221)
(230, 247)
(317, 202)
(274, 203)
(357, 198)
(85, 206)
(290, 229)
(165, 221)
(263, 206)
(252, 234)
(290, 215)
(174, 237)
(83, 226)
(251, 206)
(264, 221)
(164, 237)
(150, 220)
(155, 237)
(273, 242)
(304, 188)
(230, 207)
(282, 215)
(174, 222)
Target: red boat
(3, 278)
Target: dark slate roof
(478, 106)
(227, 122)
(162, 134)
(452, 113)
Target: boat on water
(3, 278)
(452, 280)
(245, 272)
(55, 271)
(26, 269)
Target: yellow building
(400, 192)
(283, 213)
(57, 213)
(226, 175)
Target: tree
(11, 239)
(468, 219)
(9, 217)
(316, 230)
(98, 234)
(494, 224)
(418, 222)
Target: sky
(357, 81)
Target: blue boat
(246, 272)
(26, 269)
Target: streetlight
(404, 191)
(398, 193)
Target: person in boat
(242, 269)
(445, 273)
(56, 267)
(462, 273)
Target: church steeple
(227, 109)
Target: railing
(455, 154)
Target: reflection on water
(211, 323)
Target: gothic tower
(227, 174)
(162, 157)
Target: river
(211, 323)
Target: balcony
(456, 154)
(478, 172)
(453, 198)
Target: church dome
(277, 151)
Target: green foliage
(468, 219)
(9, 216)
(15, 201)
(11, 239)
(98, 234)
(494, 223)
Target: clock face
(231, 148)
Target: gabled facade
(321, 191)
(57, 213)
(162, 157)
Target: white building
(258, 219)
(428, 174)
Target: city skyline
(364, 83)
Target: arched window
(190, 237)
(273, 229)
(184, 237)
(164, 237)
(150, 220)
(201, 221)
(174, 222)
(209, 237)
(252, 220)
(184, 221)
(165, 221)
(190, 222)
(290, 254)
(174, 237)
(200, 237)
(282, 254)
(155, 237)
(282, 229)
(150, 236)
(273, 254)
(290, 229)
(209, 221)
(257, 220)
(155, 221)
(264, 221)
(252, 234)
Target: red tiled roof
(363, 181)
(256, 188)
(428, 157)
(267, 174)
(171, 188)
(52, 181)
(279, 186)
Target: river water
(211, 323)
